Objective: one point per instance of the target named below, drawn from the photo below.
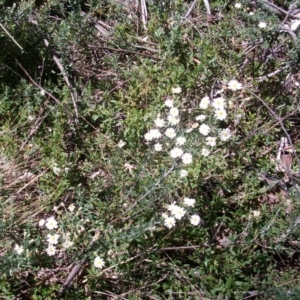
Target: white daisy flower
(148, 136)
(220, 114)
(195, 220)
(51, 250)
(176, 90)
(173, 120)
(187, 158)
(183, 173)
(169, 103)
(42, 222)
(52, 238)
(189, 202)
(204, 103)
(171, 207)
(204, 129)
(159, 122)
(51, 223)
(169, 222)
(234, 85)
(158, 147)
(155, 133)
(170, 133)
(262, 25)
(180, 141)
(121, 144)
(205, 152)
(174, 111)
(178, 212)
(225, 134)
(219, 103)
(67, 244)
(99, 262)
(201, 118)
(211, 141)
(164, 215)
(176, 152)
(19, 249)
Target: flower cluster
(164, 128)
(53, 237)
(219, 107)
(177, 212)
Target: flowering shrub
(145, 140)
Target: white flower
(211, 141)
(169, 103)
(155, 133)
(157, 147)
(56, 170)
(225, 134)
(121, 144)
(295, 24)
(164, 215)
(42, 92)
(183, 173)
(99, 262)
(238, 5)
(148, 136)
(201, 118)
(234, 85)
(189, 202)
(170, 133)
(187, 158)
(67, 244)
(176, 90)
(195, 220)
(52, 238)
(19, 249)
(173, 120)
(220, 114)
(30, 118)
(262, 25)
(174, 111)
(71, 207)
(256, 213)
(251, 13)
(219, 103)
(176, 152)
(205, 152)
(204, 129)
(42, 222)
(51, 250)
(204, 102)
(180, 141)
(159, 122)
(169, 222)
(55, 208)
(51, 223)
(152, 134)
(178, 212)
(171, 207)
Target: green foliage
(78, 78)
